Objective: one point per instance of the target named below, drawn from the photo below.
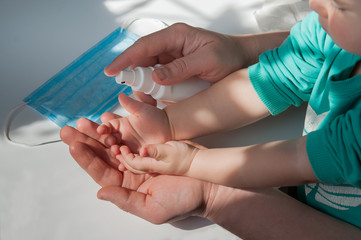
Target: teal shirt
(310, 67)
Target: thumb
(131, 105)
(134, 202)
(178, 70)
(125, 199)
(156, 151)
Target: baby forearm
(280, 163)
(228, 104)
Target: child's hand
(146, 124)
(170, 158)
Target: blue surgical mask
(81, 89)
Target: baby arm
(228, 104)
(279, 163)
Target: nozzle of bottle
(140, 79)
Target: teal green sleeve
(334, 151)
(286, 75)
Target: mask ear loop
(127, 24)
(10, 117)
(131, 21)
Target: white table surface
(44, 194)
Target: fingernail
(108, 70)
(101, 196)
(110, 141)
(162, 73)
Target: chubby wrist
(191, 159)
(170, 124)
(210, 192)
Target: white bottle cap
(125, 77)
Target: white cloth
(276, 15)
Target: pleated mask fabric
(81, 89)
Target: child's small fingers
(111, 126)
(122, 168)
(118, 137)
(156, 151)
(137, 163)
(110, 141)
(144, 164)
(113, 139)
(114, 149)
(124, 150)
(127, 161)
(107, 116)
(103, 129)
(150, 150)
(143, 151)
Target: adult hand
(157, 199)
(257, 213)
(186, 51)
(183, 51)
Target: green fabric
(309, 66)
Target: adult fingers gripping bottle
(140, 79)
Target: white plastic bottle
(140, 79)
